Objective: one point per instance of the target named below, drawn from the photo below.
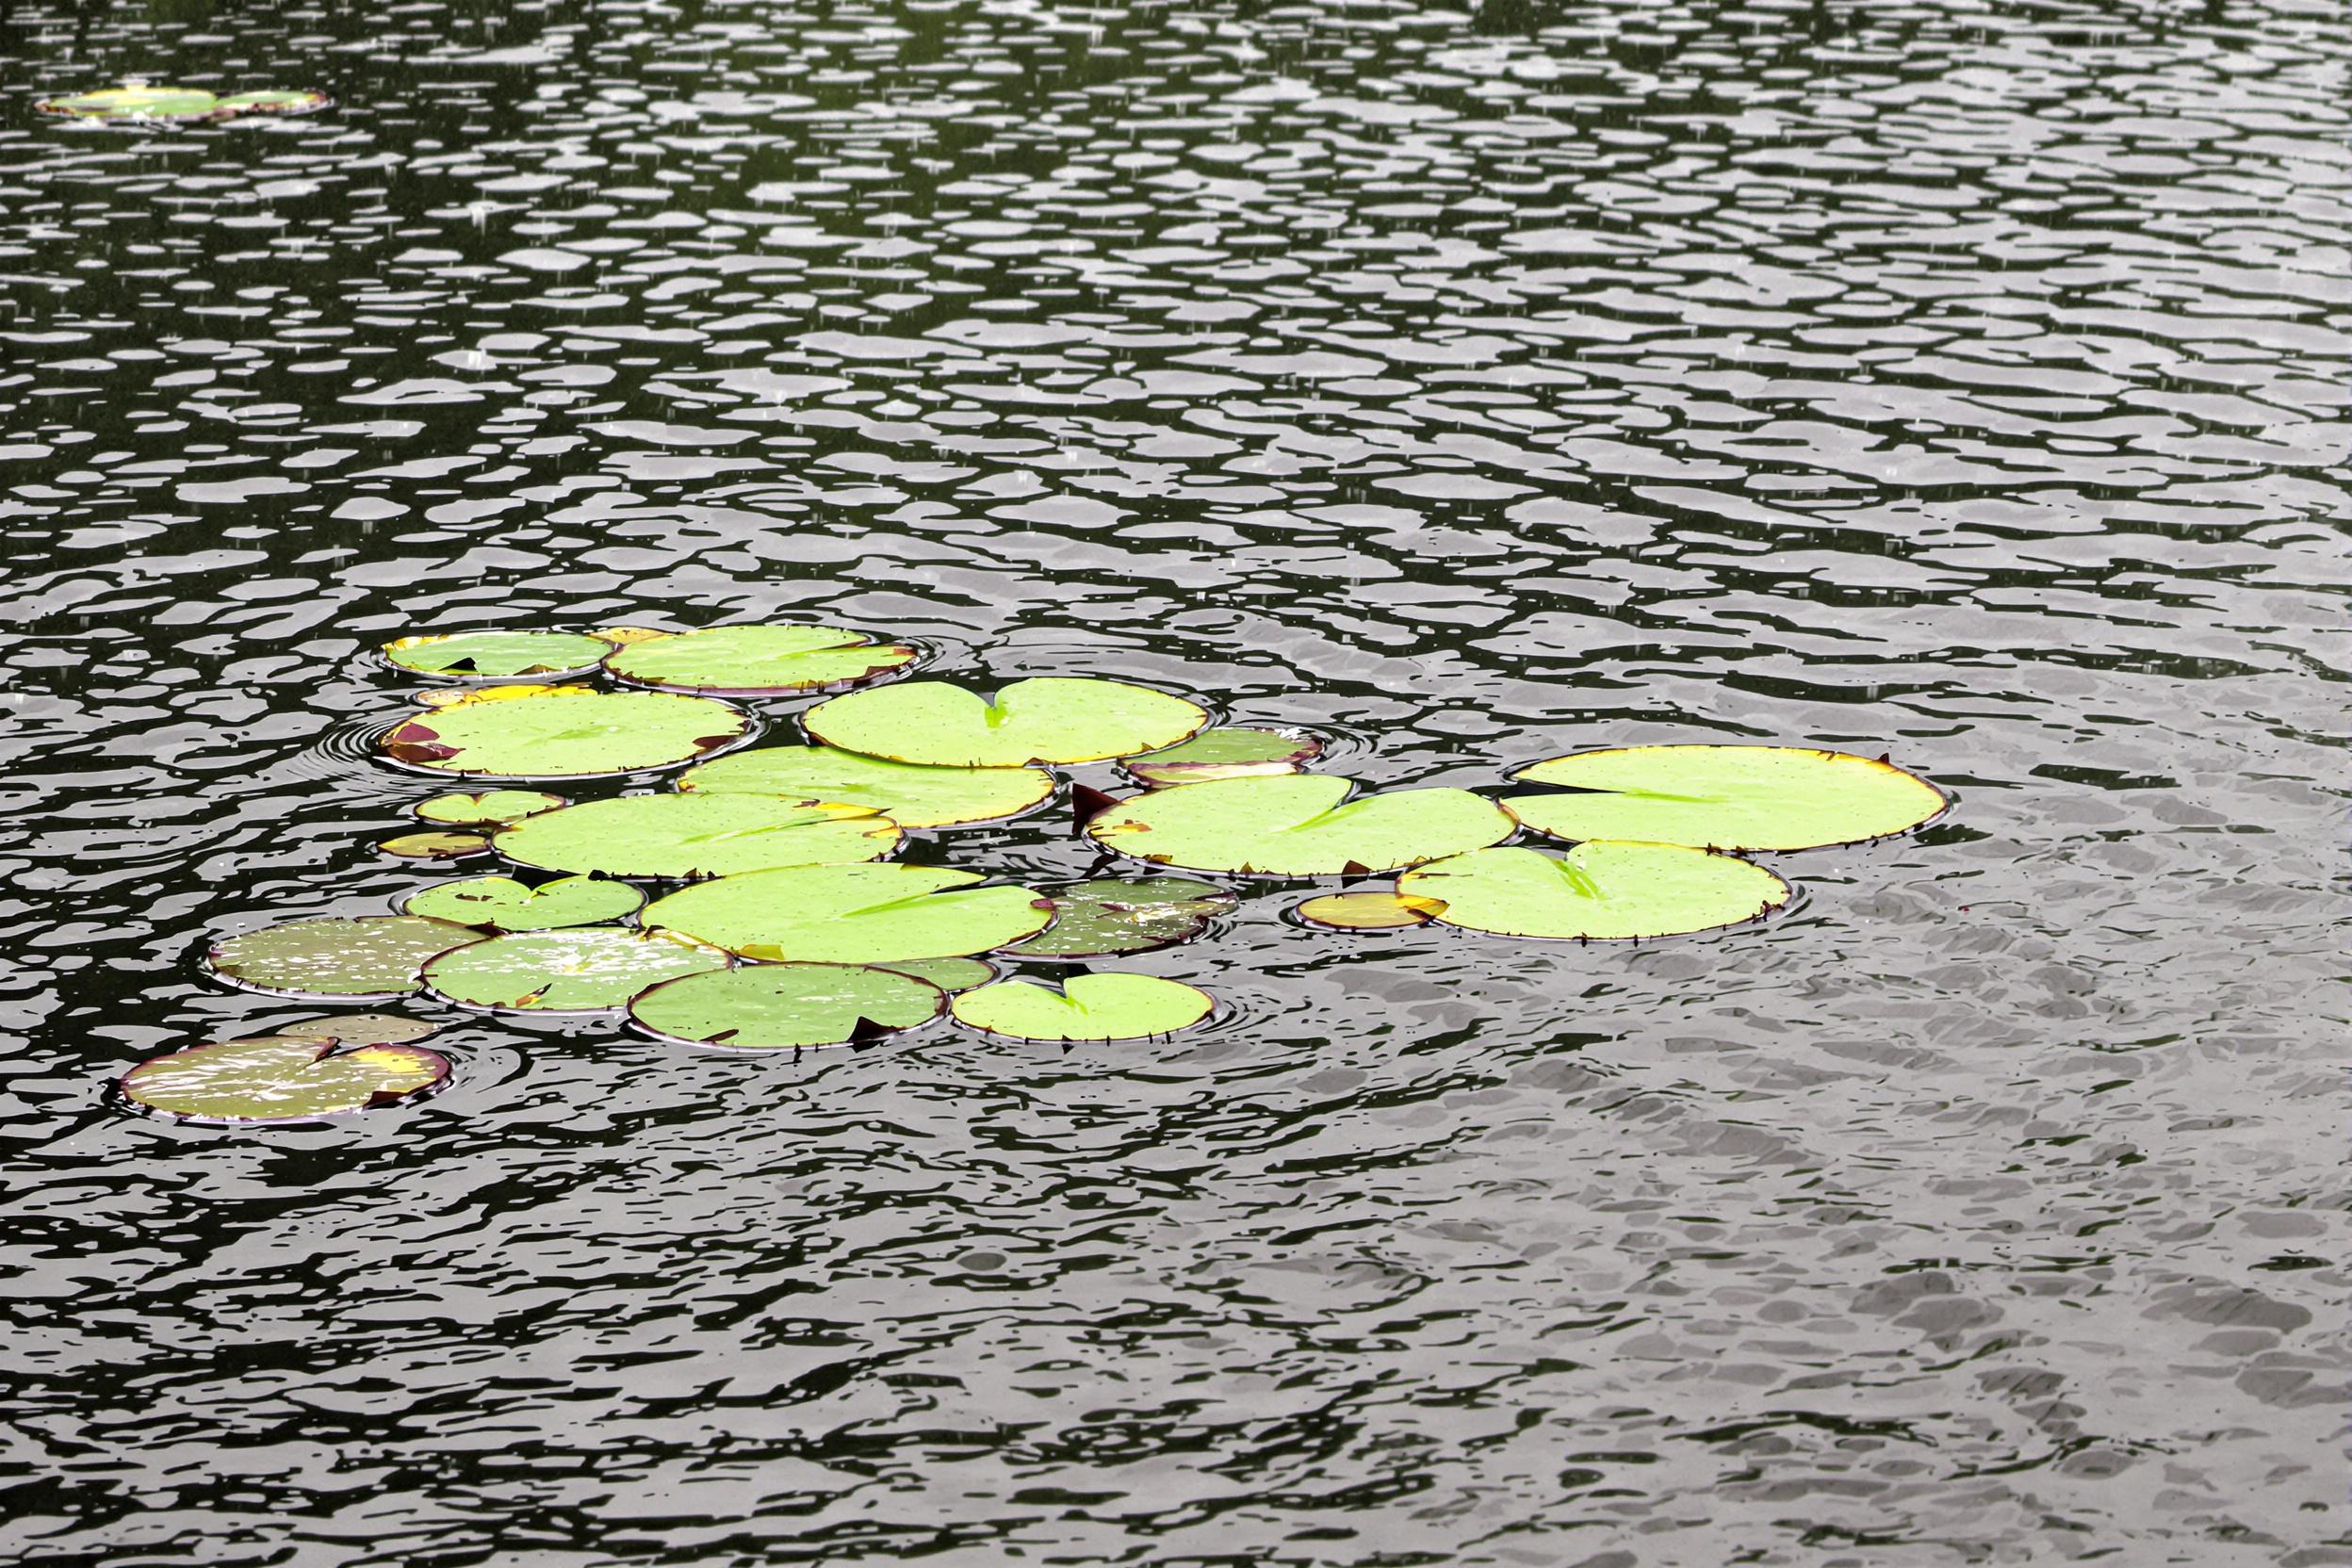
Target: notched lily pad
(283, 1078)
(503, 903)
(435, 846)
(1368, 911)
(1297, 825)
(1052, 720)
(757, 660)
(1236, 753)
(589, 969)
(566, 732)
(1085, 1007)
(362, 1029)
(698, 835)
(789, 1006)
(876, 914)
(371, 956)
(137, 102)
(490, 809)
(911, 795)
(1113, 915)
(1603, 890)
(1724, 797)
(496, 655)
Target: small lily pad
(371, 956)
(362, 1029)
(1085, 1007)
(503, 903)
(490, 809)
(140, 101)
(512, 690)
(787, 1007)
(1724, 797)
(757, 660)
(1368, 911)
(1296, 825)
(566, 733)
(1236, 753)
(698, 835)
(589, 969)
(1598, 891)
(496, 655)
(909, 794)
(876, 914)
(949, 975)
(1051, 720)
(622, 636)
(1113, 915)
(283, 1078)
(435, 846)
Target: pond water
(1960, 382)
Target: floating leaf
(1088, 1008)
(1368, 911)
(850, 914)
(491, 807)
(786, 1007)
(138, 101)
(622, 636)
(1296, 826)
(949, 975)
(282, 1078)
(1224, 754)
(371, 955)
(362, 1029)
(586, 969)
(1602, 890)
(909, 794)
(1113, 915)
(700, 835)
(1050, 720)
(435, 846)
(566, 733)
(456, 697)
(757, 660)
(1724, 797)
(497, 654)
(503, 903)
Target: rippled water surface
(1467, 385)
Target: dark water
(1964, 381)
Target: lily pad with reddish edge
(1602, 890)
(1296, 826)
(497, 654)
(589, 969)
(1084, 1009)
(283, 1078)
(565, 733)
(874, 914)
(757, 660)
(503, 903)
(787, 1007)
(681, 836)
(1051, 720)
(1113, 915)
(369, 955)
(1235, 753)
(1368, 911)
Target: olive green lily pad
(949, 975)
(1603, 890)
(435, 846)
(589, 969)
(1724, 797)
(1113, 915)
(497, 654)
(1224, 754)
(1368, 911)
(283, 1078)
(909, 794)
(877, 914)
(503, 903)
(362, 1029)
(490, 809)
(1296, 825)
(566, 733)
(757, 660)
(371, 956)
(1050, 720)
(787, 1007)
(1088, 1008)
(698, 835)
(138, 101)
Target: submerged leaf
(503, 903)
(757, 660)
(1297, 826)
(877, 914)
(1224, 754)
(490, 809)
(1088, 1008)
(1050, 720)
(371, 955)
(1724, 797)
(1113, 915)
(698, 835)
(435, 846)
(909, 794)
(1369, 912)
(787, 1006)
(585, 970)
(283, 1078)
(566, 732)
(496, 655)
(1601, 891)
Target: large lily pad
(1089, 1007)
(566, 733)
(909, 794)
(698, 835)
(503, 903)
(489, 809)
(757, 660)
(585, 970)
(1049, 720)
(1299, 824)
(787, 1007)
(1112, 915)
(1368, 911)
(850, 914)
(140, 101)
(1600, 892)
(371, 956)
(496, 655)
(1724, 797)
(283, 1078)
(1224, 754)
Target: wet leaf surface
(1085, 1007)
(876, 914)
(503, 903)
(1599, 892)
(1048, 720)
(757, 660)
(1724, 797)
(787, 1007)
(1297, 825)
(1124, 914)
(912, 796)
(368, 956)
(682, 836)
(583, 970)
(282, 1078)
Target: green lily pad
(1599, 892)
(362, 1029)
(138, 101)
(503, 903)
(909, 794)
(878, 914)
(281, 1078)
(698, 835)
(371, 955)
(757, 660)
(497, 654)
(949, 975)
(1050, 720)
(1113, 915)
(787, 1007)
(1224, 754)
(566, 732)
(435, 846)
(490, 809)
(1725, 798)
(589, 969)
(1088, 1008)
(1368, 911)
(1296, 826)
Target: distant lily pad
(497, 654)
(949, 975)
(585, 970)
(371, 956)
(139, 100)
(1113, 915)
(435, 846)
(1601, 890)
(490, 809)
(1296, 825)
(560, 734)
(503, 903)
(1088, 1008)
(1724, 797)
(757, 660)
(698, 835)
(787, 1007)
(1045, 721)
(1224, 754)
(910, 795)
(362, 1029)
(876, 914)
(282, 1078)
(1369, 912)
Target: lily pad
(139, 100)
(1724, 797)
(787, 1007)
(1601, 891)
(362, 1029)
(566, 733)
(1088, 1008)
(1050, 720)
(490, 809)
(1236, 753)
(435, 846)
(1297, 825)
(503, 903)
(850, 914)
(589, 969)
(1368, 911)
(497, 654)
(282, 1078)
(700, 835)
(910, 795)
(757, 660)
(1113, 915)
(949, 975)
(371, 956)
